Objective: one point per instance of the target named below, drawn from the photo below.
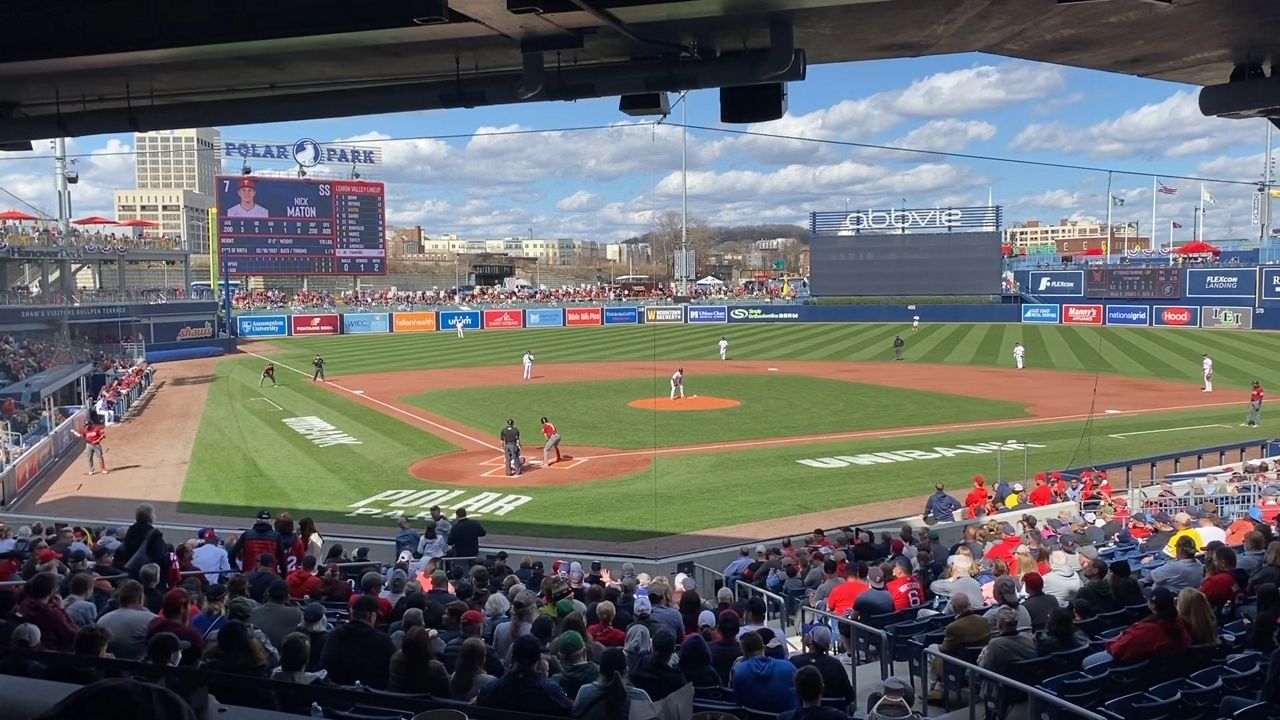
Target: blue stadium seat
(1078, 688)
(1124, 679)
(1115, 619)
(1070, 660)
(900, 635)
(1142, 706)
(1257, 711)
(1198, 702)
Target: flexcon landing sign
(1183, 316)
(1222, 283)
(1081, 314)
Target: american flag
(1166, 190)
(1177, 224)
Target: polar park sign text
(897, 456)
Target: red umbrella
(1198, 247)
(138, 223)
(16, 215)
(94, 220)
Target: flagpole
(1170, 242)
(1153, 213)
(1200, 216)
(1110, 201)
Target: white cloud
(985, 87)
(1057, 199)
(1173, 127)
(581, 200)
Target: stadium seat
(1070, 660)
(1142, 706)
(713, 715)
(710, 692)
(1114, 619)
(441, 714)
(1137, 612)
(1124, 679)
(1027, 672)
(1257, 711)
(1090, 627)
(361, 712)
(1198, 702)
(1078, 688)
(1244, 683)
(900, 635)
(955, 679)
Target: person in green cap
(240, 608)
(578, 668)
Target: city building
(629, 253)
(1071, 237)
(175, 173)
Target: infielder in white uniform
(677, 383)
(724, 349)
(1018, 352)
(528, 364)
(915, 323)
(1208, 373)
(457, 322)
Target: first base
(773, 369)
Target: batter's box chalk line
(500, 465)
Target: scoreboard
(285, 226)
(1158, 283)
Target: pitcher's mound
(700, 402)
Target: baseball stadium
(920, 459)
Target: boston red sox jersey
(906, 592)
(677, 378)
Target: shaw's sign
(933, 453)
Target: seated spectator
(1096, 589)
(1262, 630)
(610, 696)
(128, 624)
(1194, 609)
(1221, 586)
(959, 579)
(262, 577)
(211, 557)
(726, 649)
(356, 651)
(295, 655)
(1008, 645)
(236, 652)
(316, 627)
(1253, 555)
(524, 689)
(1183, 572)
(304, 583)
(603, 632)
(810, 689)
(763, 683)
(835, 676)
(1161, 634)
(276, 618)
(214, 613)
(1038, 604)
(414, 668)
(79, 608)
(1269, 693)
(1005, 593)
(695, 663)
(174, 618)
(164, 648)
(577, 669)
(1125, 587)
(875, 600)
(1060, 634)
(24, 637)
(1267, 573)
(655, 674)
(968, 629)
(470, 676)
(152, 597)
(40, 607)
(1061, 583)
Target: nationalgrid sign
(1139, 315)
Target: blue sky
(610, 183)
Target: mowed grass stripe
(1162, 360)
(1130, 358)
(1190, 350)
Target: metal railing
(706, 578)
(742, 591)
(855, 629)
(975, 674)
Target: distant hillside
(719, 234)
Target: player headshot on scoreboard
(248, 206)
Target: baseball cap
(365, 604)
(1008, 529)
(215, 592)
(473, 617)
(1004, 590)
(760, 550)
(174, 599)
(1033, 581)
(571, 642)
(1163, 597)
(526, 650)
(313, 612)
(643, 606)
(404, 556)
(564, 607)
(102, 551)
(628, 569)
(240, 609)
(820, 635)
(896, 546)
(1182, 517)
(162, 645)
(48, 555)
(1163, 517)
(706, 618)
(207, 533)
(439, 580)
(875, 578)
(247, 182)
(77, 556)
(1090, 517)
(263, 514)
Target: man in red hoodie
(1160, 635)
(977, 496)
(42, 607)
(303, 582)
(1042, 495)
(1006, 547)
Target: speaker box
(753, 103)
(642, 104)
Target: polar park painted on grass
(801, 421)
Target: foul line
(267, 400)
(1121, 436)
(890, 434)
(389, 406)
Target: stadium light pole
(684, 192)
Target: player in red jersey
(94, 434)
(553, 442)
(1254, 418)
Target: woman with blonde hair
(1023, 563)
(1194, 609)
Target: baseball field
(798, 420)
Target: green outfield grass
(246, 457)
(597, 414)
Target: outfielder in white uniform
(1208, 373)
(528, 364)
(915, 322)
(677, 383)
(724, 349)
(457, 322)
(1018, 352)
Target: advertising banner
(410, 322)
(255, 326)
(577, 317)
(621, 315)
(44, 455)
(764, 314)
(1222, 283)
(179, 330)
(1129, 315)
(326, 324)
(1271, 283)
(503, 319)
(1227, 318)
(451, 319)
(708, 314)
(1056, 283)
(544, 317)
(664, 315)
(1042, 314)
(1081, 314)
(360, 323)
(1185, 316)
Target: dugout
(58, 385)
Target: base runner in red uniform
(94, 434)
(1254, 418)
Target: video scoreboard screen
(1158, 283)
(283, 226)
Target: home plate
(1113, 412)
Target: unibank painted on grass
(898, 456)
(416, 504)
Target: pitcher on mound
(677, 383)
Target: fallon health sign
(1129, 315)
(1081, 314)
(544, 317)
(361, 323)
(1056, 283)
(417, 321)
(708, 314)
(1222, 282)
(258, 326)
(1043, 314)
